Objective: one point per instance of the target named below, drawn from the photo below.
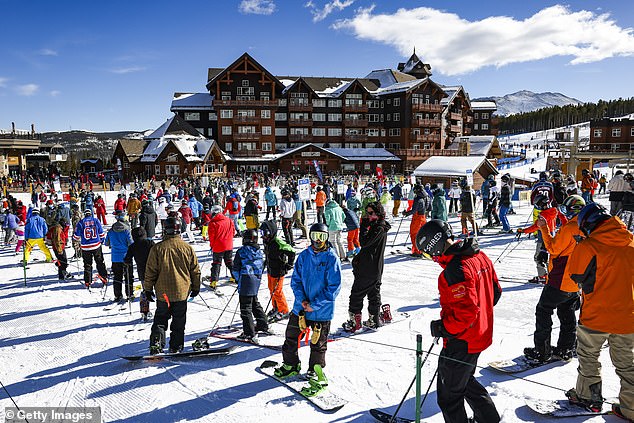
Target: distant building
(612, 135)
(91, 166)
(484, 123)
(15, 144)
(47, 160)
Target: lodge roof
(133, 149)
(175, 125)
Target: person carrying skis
(58, 234)
(561, 292)
(469, 288)
(602, 266)
(438, 204)
(34, 232)
(419, 216)
(89, 233)
(352, 226)
(316, 283)
(248, 266)
(172, 272)
(221, 242)
(287, 211)
(280, 258)
(367, 268)
(397, 196)
(271, 202)
(119, 239)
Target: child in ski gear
(58, 234)
(172, 272)
(280, 258)
(561, 292)
(20, 234)
(221, 242)
(352, 225)
(34, 231)
(89, 233)
(316, 282)
(469, 289)
(119, 239)
(271, 202)
(602, 266)
(251, 210)
(438, 204)
(139, 251)
(367, 268)
(248, 266)
(419, 209)
(467, 205)
(120, 203)
(335, 216)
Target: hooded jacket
(186, 213)
(148, 219)
(220, 233)
(469, 288)
(58, 237)
(134, 206)
(287, 208)
(35, 227)
(560, 247)
(248, 266)
(334, 216)
(367, 265)
(351, 220)
(195, 206)
(118, 239)
(397, 192)
(467, 205)
(316, 279)
(602, 265)
(270, 197)
(280, 257)
(139, 251)
(439, 205)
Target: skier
(205, 218)
(287, 211)
(469, 289)
(367, 268)
(320, 204)
(234, 208)
(133, 209)
(271, 202)
(186, 220)
(139, 251)
(119, 239)
(352, 226)
(505, 204)
(10, 225)
(397, 196)
(148, 219)
(422, 202)
(34, 232)
(559, 191)
(251, 211)
(161, 211)
(100, 209)
(543, 187)
(89, 233)
(299, 216)
(587, 186)
(75, 217)
(617, 187)
(467, 205)
(196, 207)
(316, 283)
(561, 292)
(172, 272)
(221, 242)
(491, 211)
(335, 216)
(353, 203)
(454, 198)
(120, 203)
(248, 266)
(280, 258)
(602, 266)
(484, 193)
(438, 204)
(58, 234)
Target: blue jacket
(63, 211)
(10, 221)
(316, 279)
(485, 189)
(196, 207)
(248, 266)
(35, 228)
(397, 193)
(351, 220)
(89, 233)
(270, 197)
(119, 239)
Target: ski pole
(397, 231)
(204, 302)
(223, 310)
(234, 314)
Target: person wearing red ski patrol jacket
(220, 234)
(120, 203)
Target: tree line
(558, 116)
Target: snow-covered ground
(58, 347)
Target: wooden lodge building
(614, 135)
(258, 119)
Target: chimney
(33, 129)
(13, 127)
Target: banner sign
(303, 188)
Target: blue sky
(114, 65)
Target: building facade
(15, 144)
(612, 135)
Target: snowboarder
(89, 233)
(367, 268)
(280, 258)
(469, 289)
(316, 283)
(221, 242)
(419, 209)
(602, 266)
(119, 239)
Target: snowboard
(325, 401)
(210, 352)
(388, 418)
(519, 364)
(563, 408)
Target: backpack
(288, 251)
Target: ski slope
(58, 347)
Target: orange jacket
(320, 199)
(134, 206)
(551, 216)
(587, 183)
(602, 265)
(560, 247)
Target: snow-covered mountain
(527, 101)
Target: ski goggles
(319, 236)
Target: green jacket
(334, 216)
(439, 205)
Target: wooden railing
(300, 122)
(300, 138)
(424, 137)
(240, 103)
(356, 123)
(355, 108)
(424, 107)
(247, 136)
(426, 122)
(410, 152)
(247, 153)
(455, 116)
(247, 119)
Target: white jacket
(287, 208)
(618, 184)
(160, 210)
(455, 192)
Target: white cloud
(321, 14)
(257, 7)
(47, 52)
(3, 82)
(454, 45)
(27, 89)
(130, 69)
(55, 93)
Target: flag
(318, 170)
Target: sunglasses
(319, 236)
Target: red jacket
(205, 218)
(186, 212)
(469, 289)
(229, 207)
(100, 206)
(119, 204)
(22, 213)
(550, 215)
(220, 233)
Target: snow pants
(353, 239)
(62, 263)
(217, 260)
(457, 384)
(589, 343)
(361, 288)
(287, 228)
(298, 220)
(453, 204)
(249, 308)
(467, 217)
(9, 235)
(270, 209)
(566, 303)
(321, 216)
(397, 205)
(541, 256)
(505, 220)
(278, 300)
(336, 240)
(88, 256)
(177, 311)
(253, 222)
(30, 243)
(290, 348)
(122, 274)
(101, 216)
(418, 220)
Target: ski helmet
(120, 215)
(543, 176)
(572, 205)
(215, 209)
(319, 236)
(505, 178)
(172, 226)
(584, 172)
(268, 229)
(541, 202)
(590, 216)
(87, 212)
(432, 238)
(34, 211)
(250, 237)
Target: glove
(194, 293)
(519, 234)
(438, 329)
(149, 295)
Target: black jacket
(465, 205)
(505, 196)
(251, 207)
(148, 219)
(368, 264)
(278, 261)
(559, 191)
(139, 250)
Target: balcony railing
(410, 152)
(468, 119)
(247, 119)
(300, 122)
(356, 108)
(424, 137)
(355, 138)
(356, 123)
(466, 131)
(247, 153)
(426, 122)
(424, 107)
(455, 116)
(244, 103)
(294, 105)
(20, 135)
(250, 136)
(300, 138)
(454, 128)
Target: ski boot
(176, 350)
(156, 349)
(537, 356)
(353, 324)
(594, 404)
(616, 410)
(317, 382)
(386, 313)
(287, 370)
(538, 280)
(564, 354)
(247, 338)
(213, 285)
(373, 322)
(200, 344)
(271, 314)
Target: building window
(334, 117)
(485, 127)
(319, 132)
(245, 82)
(226, 114)
(266, 130)
(475, 126)
(382, 132)
(334, 103)
(632, 131)
(172, 158)
(334, 132)
(247, 112)
(476, 115)
(394, 132)
(395, 146)
(397, 117)
(265, 114)
(319, 117)
(157, 169)
(226, 130)
(373, 118)
(172, 169)
(281, 102)
(416, 146)
(388, 117)
(210, 168)
(597, 133)
(397, 102)
(616, 147)
(280, 132)
(228, 147)
(389, 101)
(246, 129)
(213, 116)
(267, 146)
(373, 132)
(373, 104)
(426, 146)
(485, 115)
(192, 116)
(616, 132)
(280, 116)
(319, 102)
(201, 131)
